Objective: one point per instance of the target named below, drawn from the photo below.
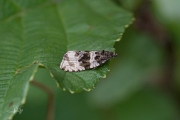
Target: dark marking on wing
(86, 65)
(97, 57)
(66, 57)
(84, 60)
(85, 57)
(63, 68)
(77, 54)
(96, 52)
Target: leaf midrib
(64, 30)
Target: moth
(75, 61)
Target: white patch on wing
(70, 62)
(93, 62)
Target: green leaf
(37, 33)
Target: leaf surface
(37, 33)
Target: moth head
(108, 54)
(113, 55)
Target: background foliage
(144, 80)
(138, 86)
(37, 33)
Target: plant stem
(48, 91)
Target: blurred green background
(144, 80)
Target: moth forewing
(74, 61)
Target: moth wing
(70, 62)
(94, 59)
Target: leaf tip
(126, 26)
(23, 100)
(85, 89)
(72, 92)
(64, 89)
(104, 75)
(118, 39)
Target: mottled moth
(74, 61)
